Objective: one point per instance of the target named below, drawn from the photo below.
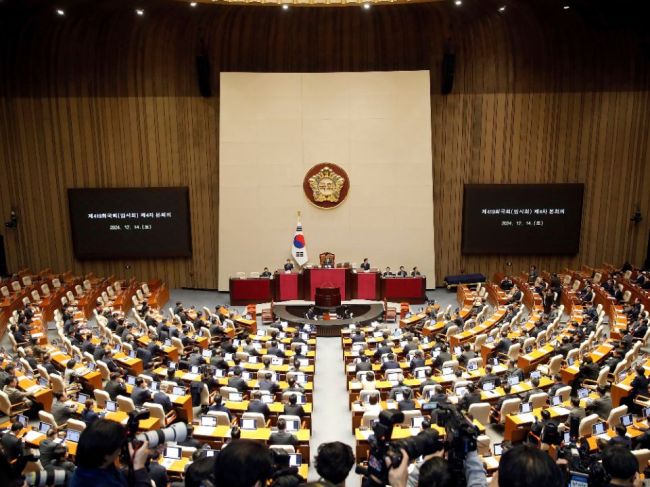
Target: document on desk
(32, 436)
(526, 418)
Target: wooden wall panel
(104, 98)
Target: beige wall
(274, 127)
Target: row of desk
(353, 284)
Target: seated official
(88, 415)
(288, 266)
(218, 405)
(266, 273)
(388, 273)
(140, 393)
(415, 272)
(282, 436)
(293, 408)
(402, 272)
(365, 265)
(256, 405)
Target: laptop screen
(267, 398)
(209, 421)
(472, 366)
(22, 419)
(130, 380)
(246, 375)
(155, 386)
(178, 391)
(582, 393)
(235, 397)
(252, 359)
(461, 391)
(627, 420)
(555, 400)
(536, 374)
(43, 382)
(207, 353)
(399, 396)
(447, 371)
(195, 369)
(646, 412)
(488, 386)
(417, 422)
(393, 376)
(132, 354)
(82, 398)
(44, 427)
(73, 435)
(173, 452)
(458, 350)
(578, 479)
(513, 380)
(498, 449)
(525, 407)
(293, 425)
(567, 437)
(111, 406)
(295, 459)
(248, 424)
(599, 429)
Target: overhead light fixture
(60, 11)
(502, 8)
(192, 4)
(566, 7)
(285, 7)
(366, 6)
(139, 11)
(458, 3)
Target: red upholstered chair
(390, 314)
(251, 309)
(404, 309)
(267, 315)
(325, 256)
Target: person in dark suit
(621, 438)
(288, 266)
(407, 403)
(12, 446)
(88, 415)
(601, 406)
(516, 295)
(293, 408)
(391, 363)
(467, 354)
(140, 393)
(115, 386)
(365, 265)
(218, 405)
(548, 301)
(503, 345)
(328, 262)
(566, 346)
(402, 272)
(471, 397)
(157, 472)
(358, 337)
(428, 381)
(618, 294)
(268, 384)
(363, 365)
(237, 382)
(383, 348)
(415, 272)
(388, 273)
(588, 369)
(282, 436)
(639, 385)
(489, 377)
(506, 284)
(417, 361)
(400, 388)
(256, 405)
(275, 350)
(266, 273)
(443, 356)
(163, 399)
(640, 330)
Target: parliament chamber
(314, 242)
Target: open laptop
(488, 386)
(447, 371)
(599, 429)
(43, 382)
(583, 393)
(248, 424)
(513, 380)
(536, 374)
(178, 391)
(130, 380)
(24, 420)
(82, 398)
(195, 369)
(44, 427)
(209, 421)
(578, 479)
(393, 376)
(171, 454)
(295, 459)
(627, 420)
(525, 408)
(417, 421)
(556, 400)
(267, 398)
(472, 366)
(111, 406)
(72, 435)
(399, 396)
(235, 397)
(566, 438)
(293, 425)
(497, 448)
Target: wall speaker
(203, 75)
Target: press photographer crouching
(98, 451)
(388, 461)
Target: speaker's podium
(327, 276)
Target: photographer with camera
(99, 448)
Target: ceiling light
(502, 8)
(458, 3)
(60, 12)
(366, 6)
(285, 7)
(192, 4)
(566, 7)
(139, 11)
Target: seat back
(368, 418)
(365, 395)
(75, 424)
(57, 383)
(480, 411)
(284, 448)
(573, 354)
(586, 424)
(408, 415)
(513, 351)
(222, 417)
(156, 411)
(615, 414)
(125, 404)
(260, 421)
(554, 365)
(509, 406)
(538, 400)
(101, 396)
(564, 393)
(5, 404)
(642, 456)
(47, 418)
(103, 369)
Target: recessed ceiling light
(285, 7)
(366, 6)
(192, 4)
(458, 3)
(60, 12)
(139, 11)
(502, 8)
(566, 7)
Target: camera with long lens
(460, 438)
(176, 432)
(381, 447)
(49, 477)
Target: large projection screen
(275, 126)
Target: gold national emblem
(326, 185)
